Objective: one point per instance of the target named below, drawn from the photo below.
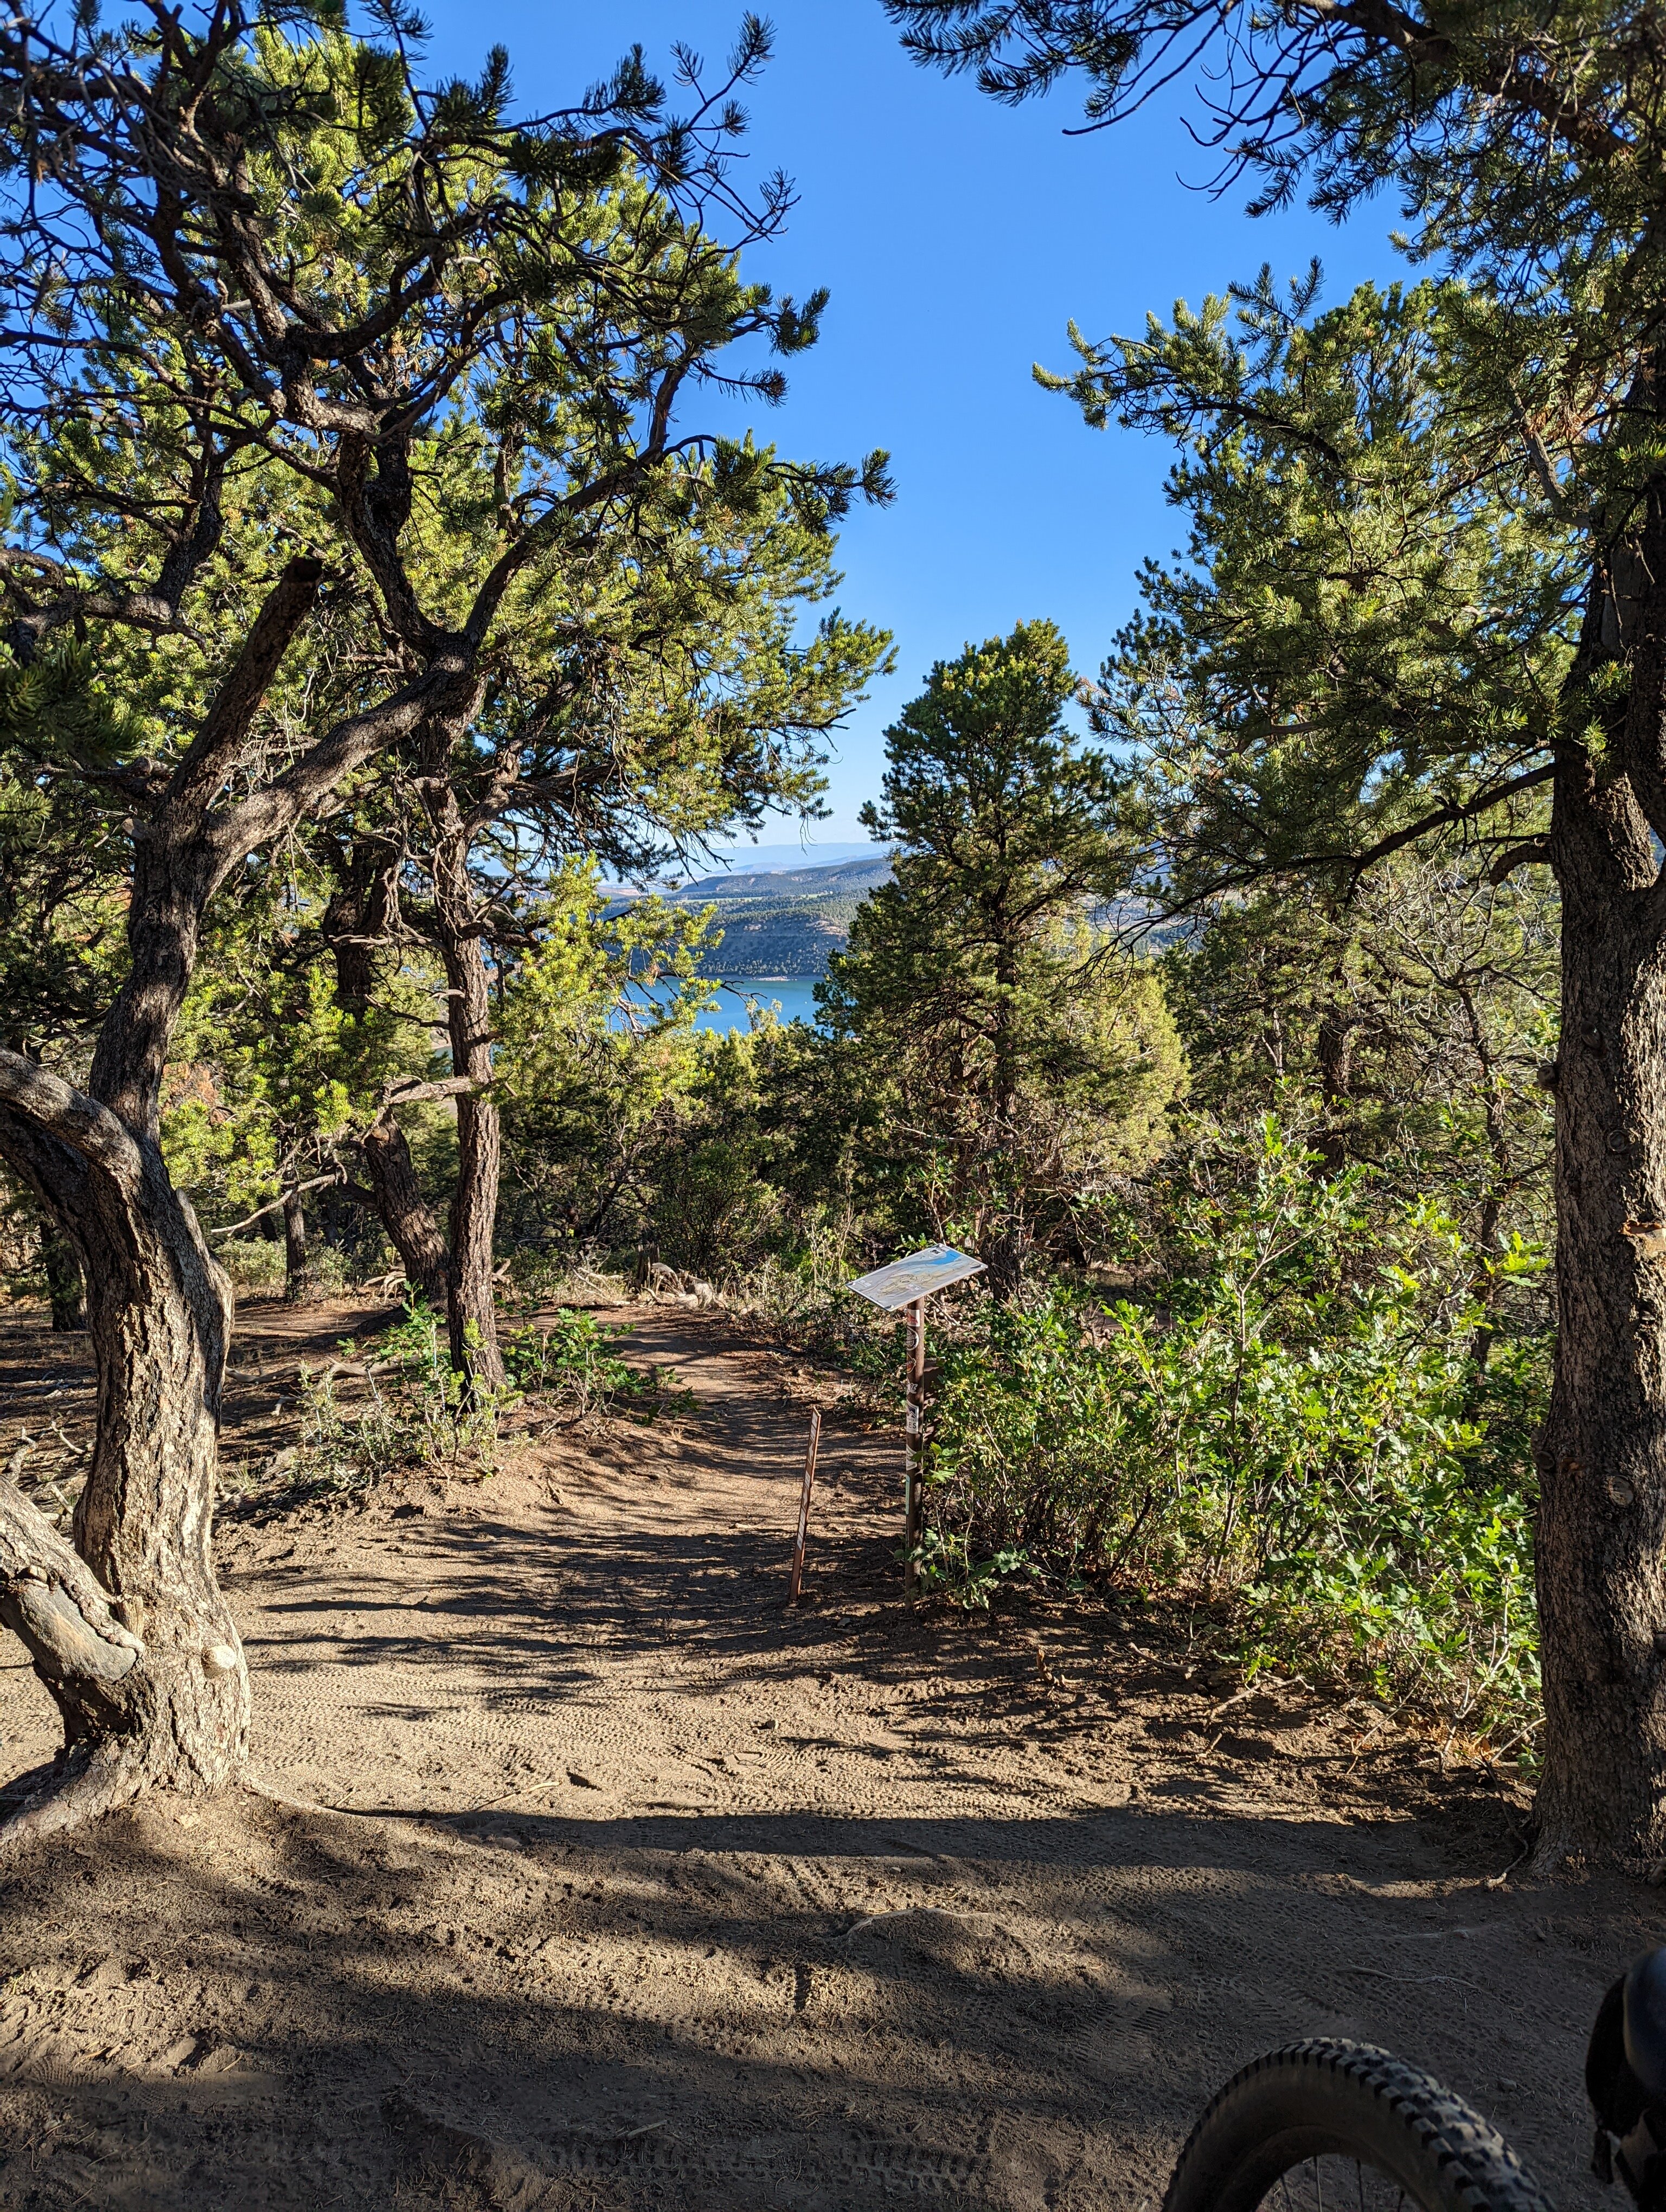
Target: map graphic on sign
(916, 1276)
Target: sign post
(803, 1505)
(914, 1449)
(908, 1283)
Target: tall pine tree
(1023, 1058)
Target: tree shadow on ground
(517, 1612)
(956, 1969)
(272, 2009)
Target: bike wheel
(1339, 2127)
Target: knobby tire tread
(1459, 2161)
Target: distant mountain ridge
(787, 922)
(781, 921)
(836, 879)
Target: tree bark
(128, 1631)
(1601, 1454)
(297, 1282)
(1003, 1256)
(159, 1312)
(64, 1292)
(472, 1311)
(454, 1276)
(1333, 1051)
(363, 910)
(405, 1213)
(1003, 1252)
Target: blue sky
(958, 238)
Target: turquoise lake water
(794, 997)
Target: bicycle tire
(1346, 2100)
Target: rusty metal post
(803, 1505)
(913, 1465)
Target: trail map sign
(916, 1276)
(910, 1282)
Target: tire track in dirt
(655, 1894)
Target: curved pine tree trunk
(397, 1197)
(128, 1630)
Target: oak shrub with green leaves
(1295, 1433)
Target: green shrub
(1299, 1432)
(255, 1264)
(571, 1359)
(328, 1275)
(416, 1411)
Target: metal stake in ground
(910, 1282)
(803, 1506)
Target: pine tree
(1528, 152)
(287, 319)
(1023, 1060)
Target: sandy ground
(645, 1891)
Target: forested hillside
(788, 921)
(782, 936)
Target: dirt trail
(653, 1894)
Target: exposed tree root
(83, 1787)
(271, 1794)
